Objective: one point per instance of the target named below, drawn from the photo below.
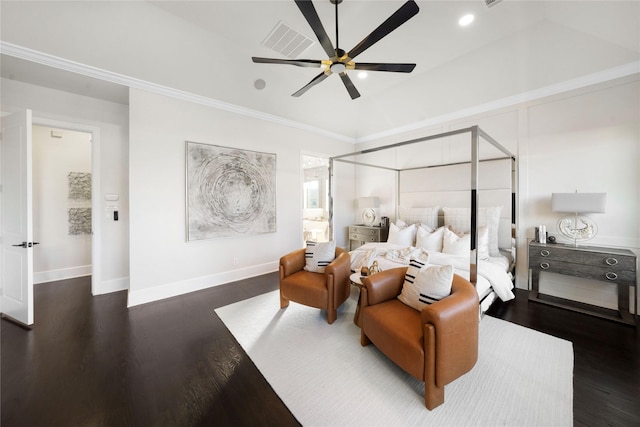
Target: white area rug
(325, 377)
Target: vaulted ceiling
(205, 48)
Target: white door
(17, 238)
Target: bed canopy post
(473, 256)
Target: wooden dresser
(611, 265)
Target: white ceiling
(511, 48)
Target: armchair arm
(292, 262)
(455, 321)
(340, 267)
(382, 286)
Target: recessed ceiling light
(466, 20)
(362, 74)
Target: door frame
(96, 191)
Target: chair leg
(433, 395)
(364, 340)
(284, 303)
(332, 315)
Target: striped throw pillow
(319, 255)
(424, 285)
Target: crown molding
(42, 58)
(566, 86)
(53, 61)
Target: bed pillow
(318, 256)
(423, 285)
(460, 244)
(402, 236)
(456, 244)
(428, 216)
(430, 240)
(459, 219)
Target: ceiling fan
(340, 61)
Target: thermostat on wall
(111, 197)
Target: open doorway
(315, 218)
(62, 203)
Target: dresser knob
(544, 265)
(611, 261)
(544, 253)
(611, 276)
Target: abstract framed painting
(230, 191)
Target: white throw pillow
(426, 285)
(459, 219)
(319, 255)
(401, 224)
(430, 240)
(405, 236)
(456, 244)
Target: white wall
(586, 140)
(111, 120)
(59, 254)
(163, 263)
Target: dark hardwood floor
(90, 361)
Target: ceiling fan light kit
(340, 61)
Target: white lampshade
(578, 202)
(368, 202)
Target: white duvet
(491, 272)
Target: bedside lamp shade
(578, 227)
(578, 202)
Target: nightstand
(611, 265)
(361, 234)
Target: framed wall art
(230, 191)
(79, 196)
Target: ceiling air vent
(287, 41)
(491, 3)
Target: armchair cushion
(392, 318)
(319, 255)
(424, 285)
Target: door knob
(21, 245)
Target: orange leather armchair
(326, 290)
(435, 345)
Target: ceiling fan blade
(312, 63)
(402, 15)
(349, 85)
(317, 79)
(310, 14)
(396, 68)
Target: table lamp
(576, 226)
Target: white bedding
(491, 273)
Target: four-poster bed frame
(476, 136)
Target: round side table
(356, 279)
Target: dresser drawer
(595, 272)
(363, 231)
(364, 237)
(611, 261)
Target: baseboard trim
(157, 293)
(113, 285)
(61, 274)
